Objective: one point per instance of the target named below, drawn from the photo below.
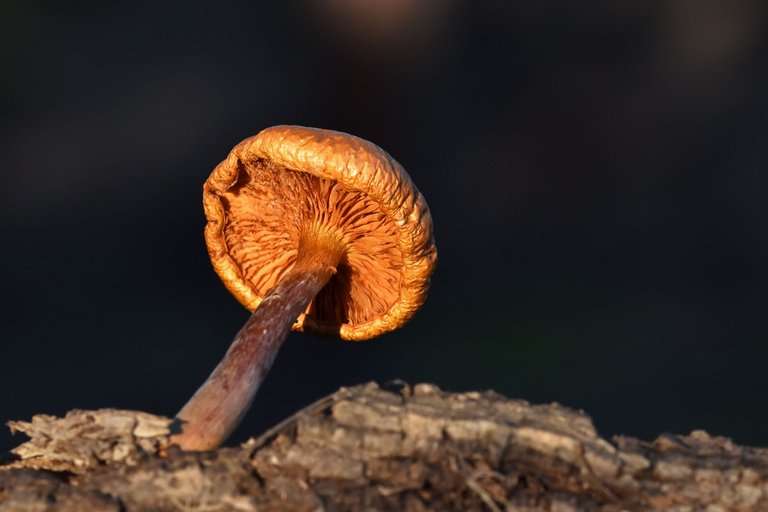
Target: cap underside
(269, 208)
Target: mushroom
(314, 230)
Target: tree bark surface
(398, 448)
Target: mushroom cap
(286, 180)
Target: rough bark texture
(368, 448)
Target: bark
(367, 448)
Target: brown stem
(220, 403)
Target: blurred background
(597, 174)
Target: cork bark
(396, 448)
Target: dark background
(597, 174)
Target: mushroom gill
(269, 209)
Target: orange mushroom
(312, 229)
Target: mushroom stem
(219, 404)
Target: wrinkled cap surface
(288, 180)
